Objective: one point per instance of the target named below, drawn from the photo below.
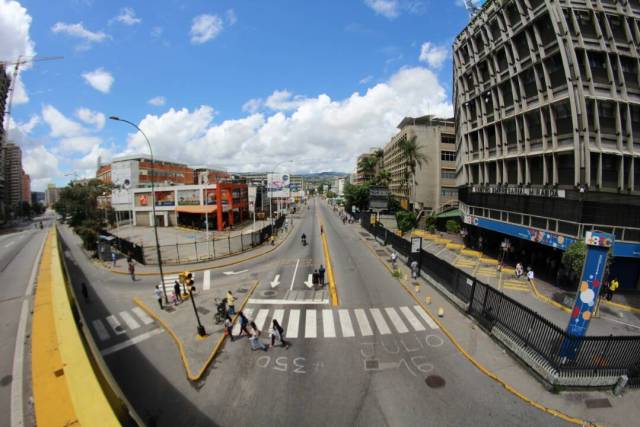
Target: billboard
(211, 196)
(188, 198)
(278, 185)
(252, 198)
(165, 198)
(378, 197)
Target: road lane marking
(412, 319)
(257, 301)
(363, 323)
(309, 281)
(310, 324)
(115, 325)
(292, 326)
(327, 324)
(102, 332)
(295, 270)
(206, 282)
(232, 273)
(131, 341)
(426, 317)
(146, 319)
(276, 281)
(129, 320)
(382, 326)
(396, 320)
(345, 323)
(261, 317)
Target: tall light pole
(153, 203)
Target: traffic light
(188, 281)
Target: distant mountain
(323, 175)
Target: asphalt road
(18, 253)
(363, 363)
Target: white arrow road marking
(230, 273)
(276, 281)
(295, 270)
(309, 281)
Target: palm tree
(379, 156)
(383, 177)
(413, 156)
(368, 166)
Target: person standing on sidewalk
(231, 303)
(114, 257)
(132, 271)
(158, 294)
(613, 286)
(530, 275)
(414, 269)
(321, 271)
(277, 333)
(176, 291)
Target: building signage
(532, 234)
(165, 198)
(253, 191)
(188, 198)
(142, 199)
(626, 249)
(416, 245)
(120, 197)
(211, 196)
(278, 185)
(595, 262)
(519, 191)
(378, 197)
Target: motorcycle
(304, 241)
(221, 310)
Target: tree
(356, 195)
(331, 195)
(413, 157)
(406, 220)
(367, 166)
(383, 178)
(453, 226)
(573, 257)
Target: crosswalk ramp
(516, 285)
(312, 323)
(463, 262)
(487, 271)
(121, 323)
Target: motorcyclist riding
(304, 239)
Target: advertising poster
(188, 197)
(252, 198)
(211, 196)
(142, 199)
(278, 185)
(165, 198)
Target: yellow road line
(622, 306)
(477, 364)
(512, 288)
(333, 291)
(183, 356)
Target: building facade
(26, 188)
(433, 188)
(51, 195)
(5, 83)
(135, 171)
(547, 106)
(12, 175)
(363, 175)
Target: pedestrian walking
(228, 327)
(277, 333)
(85, 292)
(158, 294)
(321, 229)
(613, 286)
(315, 277)
(176, 292)
(254, 339)
(132, 271)
(231, 303)
(321, 271)
(394, 259)
(530, 275)
(414, 269)
(244, 322)
(519, 270)
(114, 257)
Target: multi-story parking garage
(547, 103)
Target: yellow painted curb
(183, 356)
(489, 261)
(471, 253)
(477, 364)
(622, 306)
(333, 291)
(547, 300)
(455, 246)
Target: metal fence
(191, 252)
(126, 247)
(595, 355)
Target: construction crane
(471, 7)
(22, 60)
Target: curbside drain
(435, 381)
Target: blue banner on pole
(595, 262)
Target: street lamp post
(153, 203)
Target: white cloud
(18, 132)
(20, 95)
(127, 17)
(41, 165)
(283, 100)
(205, 28)
(99, 79)
(157, 101)
(79, 31)
(366, 80)
(91, 117)
(387, 8)
(231, 17)
(318, 134)
(433, 55)
(88, 164)
(59, 124)
(15, 24)
(78, 144)
(252, 105)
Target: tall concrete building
(51, 195)
(4, 91)
(12, 175)
(547, 106)
(434, 186)
(26, 188)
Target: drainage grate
(58, 373)
(371, 364)
(435, 381)
(597, 403)
(268, 293)
(6, 380)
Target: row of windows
(449, 192)
(448, 156)
(447, 174)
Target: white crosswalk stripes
(129, 320)
(413, 320)
(100, 330)
(278, 315)
(146, 319)
(426, 317)
(363, 323)
(115, 324)
(310, 324)
(378, 319)
(206, 282)
(345, 323)
(292, 326)
(327, 324)
(261, 317)
(396, 320)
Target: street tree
(413, 158)
(356, 195)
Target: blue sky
(236, 84)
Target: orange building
(26, 187)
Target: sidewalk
(620, 317)
(480, 349)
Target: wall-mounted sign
(188, 197)
(519, 191)
(165, 198)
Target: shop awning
(196, 209)
(454, 213)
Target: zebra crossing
(516, 285)
(328, 323)
(112, 325)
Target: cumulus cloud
(18, 132)
(252, 105)
(157, 101)
(433, 55)
(319, 133)
(59, 124)
(127, 17)
(91, 117)
(283, 100)
(15, 24)
(79, 31)
(41, 165)
(78, 144)
(387, 8)
(99, 79)
(88, 164)
(205, 28)
(366, 80)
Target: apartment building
(12, 175)
(547, 106)
(433, 188)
